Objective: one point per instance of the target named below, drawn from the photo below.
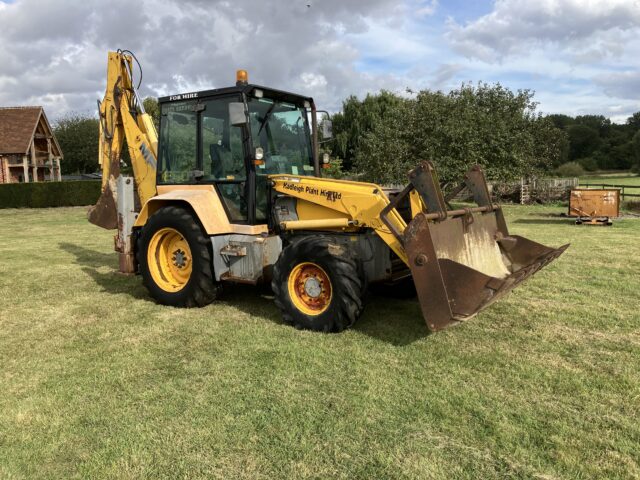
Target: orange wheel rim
(310, 288)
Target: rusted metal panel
(451, 291)
(126, 218)
(244, 258)
(594, 203)
(425, 180)
(103, 213)
(464, 260)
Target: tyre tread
(202, 290)
(349, 284)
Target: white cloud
(56, 54)
(313, 81)
(620, 84)
(426, 8)
(579, 56)
(589, 27)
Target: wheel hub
(313, 287)
(310, 288)
(179, 258)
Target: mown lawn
(619, 178)
(97, 381)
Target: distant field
(98, 381)
(612, 178)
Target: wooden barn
(29, 152)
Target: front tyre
(317, 286)
(175, 259)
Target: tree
(78, 138)
(551, 144)
(635, 149)
(356, 120)
(152, 107)
(485, 124)
(599, 123)
(584, 141)
(385, 153)
(597, 143)
(634, 121)
(560, 120)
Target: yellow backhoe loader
(232, 192)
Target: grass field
(97, 381)
(617, 178)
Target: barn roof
(17, 127)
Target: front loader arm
(352, 205)
(122, 117)
(460, 260)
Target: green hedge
(49, 194)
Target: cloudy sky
(580, 56)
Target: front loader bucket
(464, 260)
(458, 274)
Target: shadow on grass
(395, 321)
(392, 320)
(548, 221)
(112, 281)
(256, 301)
(398, 322)
(562, 214)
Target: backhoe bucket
(104, 213)
(464, 260)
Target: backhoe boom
(122, 117)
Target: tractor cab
(233, 138)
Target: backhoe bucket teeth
(464, 260)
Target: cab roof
(238, 89)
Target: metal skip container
(463, 260)
(594, 206)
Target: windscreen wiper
(266, 117)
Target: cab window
(281, 129)
(222, 154)
(177, 159)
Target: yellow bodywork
(121, 119)
(356, 203)
(323, 204)
(118, 124)
(205, 203)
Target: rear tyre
(174, 256)
(317, 286)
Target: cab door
(222, 156)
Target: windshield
(281, 129)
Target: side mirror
(327, 129)
(237, 116)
